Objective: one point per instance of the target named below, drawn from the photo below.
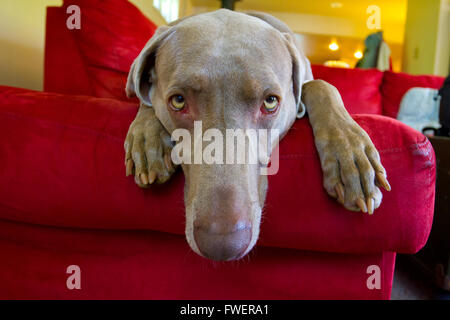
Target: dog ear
(139, 78)
(300, 67)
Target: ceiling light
(358, 54)
(333, 46)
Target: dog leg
(147, 149)
(350, 163)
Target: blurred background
(416, 32)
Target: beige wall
(146, 6)
(426, 45)
(22, 36)
(22, 31)
(442, 65)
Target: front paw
(148, 148)
(351, 166)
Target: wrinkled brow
(241, 77)
(187, 80)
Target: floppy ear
(300, 72)
(139, 80)
(296, 81)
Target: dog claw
(381, 178)
(151, 177)
(168, 162)
(361, 205)
(370, 205)
(340, 192)
(129, 167)
(144, 178)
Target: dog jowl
(235, 72)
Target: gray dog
(236, 70)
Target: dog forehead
(224, 20)
(202, 51)
(226, 32)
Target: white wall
(22, 34)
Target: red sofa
(65, 200)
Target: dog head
(230, 71)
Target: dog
(239, 70)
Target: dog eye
(270, 104)
(177, 102)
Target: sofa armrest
(62, 164)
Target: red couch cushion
(112, 34)
(153, 265)
(395, 85)
(359, 88)
(65, 163)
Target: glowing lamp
(333, 46)
(358, 54)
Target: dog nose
(222, 241)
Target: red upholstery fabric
(359, 88)
(65, 157)
(395, 85)
(112, 34)
(65, 70)
(152, 265)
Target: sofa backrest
(359, 88)
(372, 91)
(395, 85)
(95, 60)
(64, 68)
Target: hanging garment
(370, 57)
(384, 57)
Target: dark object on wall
(228, 4)
(444, 111)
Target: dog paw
(148, 148)
(351, 167)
